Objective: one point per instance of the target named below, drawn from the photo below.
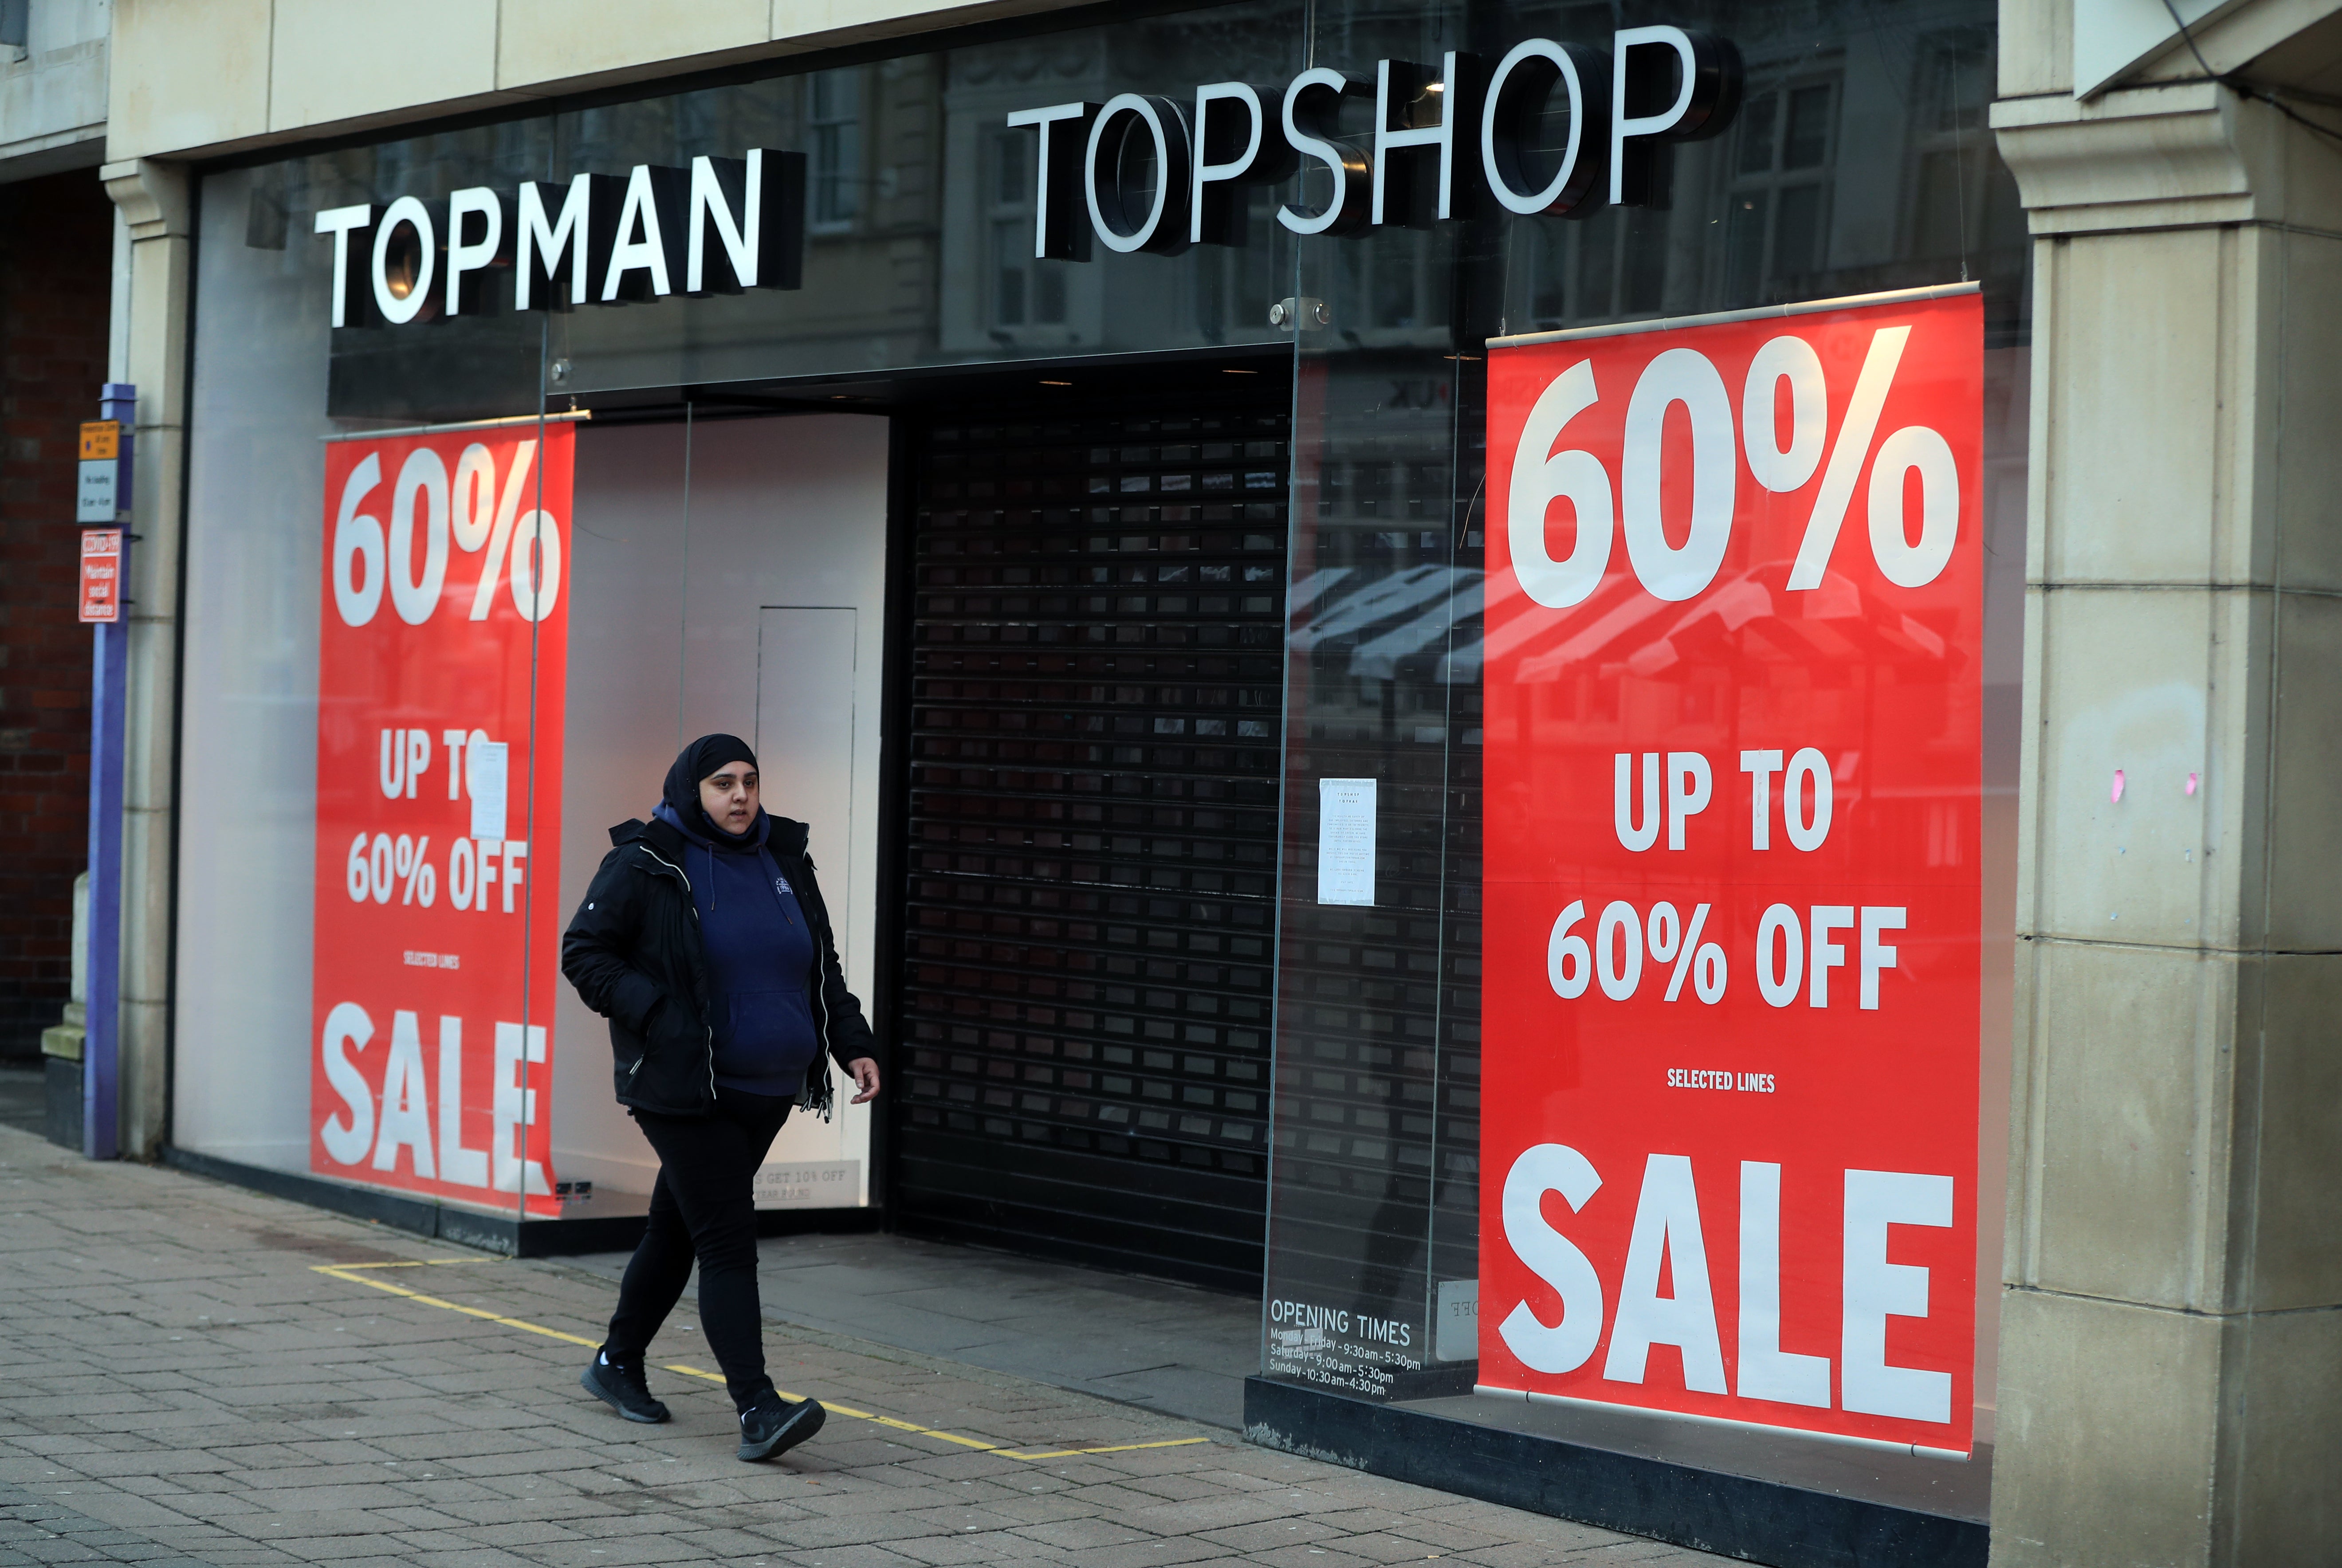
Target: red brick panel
(56, 258)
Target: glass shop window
(1022, 292)
(833, 135)
(1962, 199)
(1574, 274)
(1401, 276)
(1776, 230)
(1376, 1273)
(1546, 268)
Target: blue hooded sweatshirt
(760, 957)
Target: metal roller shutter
(1092, 838)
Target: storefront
(1110, 511)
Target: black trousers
(702, 1206)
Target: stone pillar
(2171, 1328)
(152, 199)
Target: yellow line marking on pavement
(342, 1272)
(1108, 1448)
(345, 1272)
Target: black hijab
(700, 760)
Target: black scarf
(680, 793)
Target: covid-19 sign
(1733, 895)
(441, 677)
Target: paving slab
(210, 1376)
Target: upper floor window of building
(1023, 291)
(1778, 233)
(1579, 273)
(834, 134)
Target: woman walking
(704, 942)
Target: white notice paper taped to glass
(1346, 841)
(483, 779)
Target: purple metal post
(101, 1073)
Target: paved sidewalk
(192, 1373)
(1147, 1342)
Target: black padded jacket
(633, 951)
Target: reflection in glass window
(1805, 144)
(1962, 199)
(1573, 273)
(1548, 252)
(1023, 292)
(1395, 285)
(1010, 239)
(1400, 273)
(1208, 300)
(1775, 234)
(1049, 295)
(833, 131)
(1757, 133)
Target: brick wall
(57, 255)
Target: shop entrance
(1089, 856)
(726, 573)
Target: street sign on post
(101, 576)
(101, 492)
(105, 451)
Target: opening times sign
(444, 657)
(1734, 749)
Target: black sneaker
(774, 1426)
(624, 1388)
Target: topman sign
(727, 225)
(1139, 172)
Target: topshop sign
(1153, 173)
(1148, 173)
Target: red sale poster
(440, 682)
(1734, 743)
